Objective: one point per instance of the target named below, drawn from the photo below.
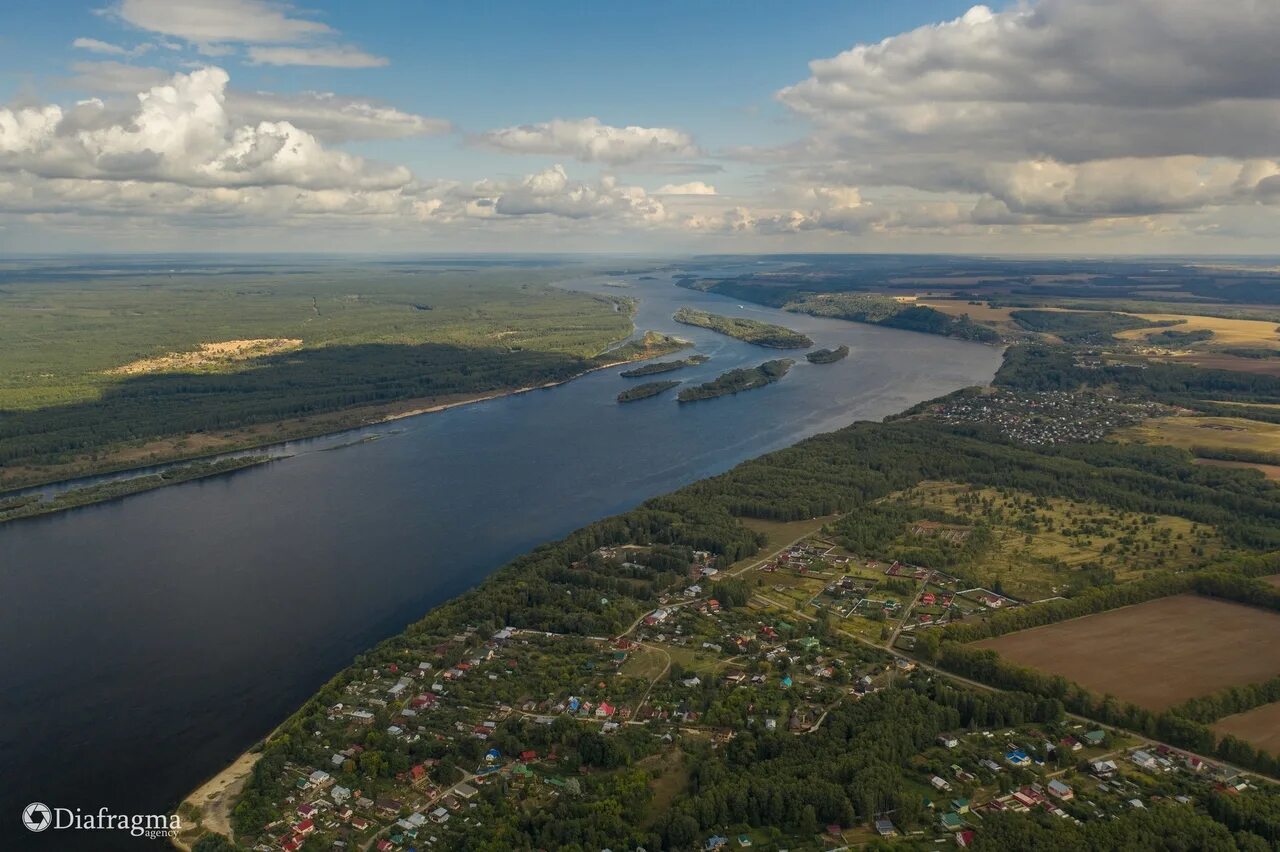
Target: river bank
(244, 595)
(160, 454)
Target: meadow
(1213, 433)
(1034, 544)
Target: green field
(1032, 546)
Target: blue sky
(660, 126)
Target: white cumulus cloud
(179, 132)
(589, 140)
(695, 187)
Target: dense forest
(656, 367)
(645, 390)
(741, 379)
(827, 356)
(747, 330)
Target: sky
(1044, 126)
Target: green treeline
(1228, 701)
(664, 366)
(1082, 326)
(741, 379)
(1232, 582)
(1168, 726)
(645, 391)
(827, 356)
(746, 330)
(1239, 454)
(888, 312)
(31, 505)
(1041, 367)
(1174, 337)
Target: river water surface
(146, 642)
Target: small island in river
(741, 379)
(746, 330)
(646, 390)
(664, 366)
(827, 356)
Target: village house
(1017, 757)
(319, 778)
(1103, 768)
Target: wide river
(146, 642)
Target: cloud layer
(1065, 110)
(275, 33)
(589, 140)
(1066, 119)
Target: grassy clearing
(669, 779)
(702, 663)
(981, 312)
(1038, 541)
(781, 533)
(643, 663)
(1228, 433)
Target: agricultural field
(1037, 542)
(1227, 361)
(1259, 726)
(1156, 654)
(1226, 332)
(1225, 433)
(981, 312)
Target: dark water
(146, 642)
